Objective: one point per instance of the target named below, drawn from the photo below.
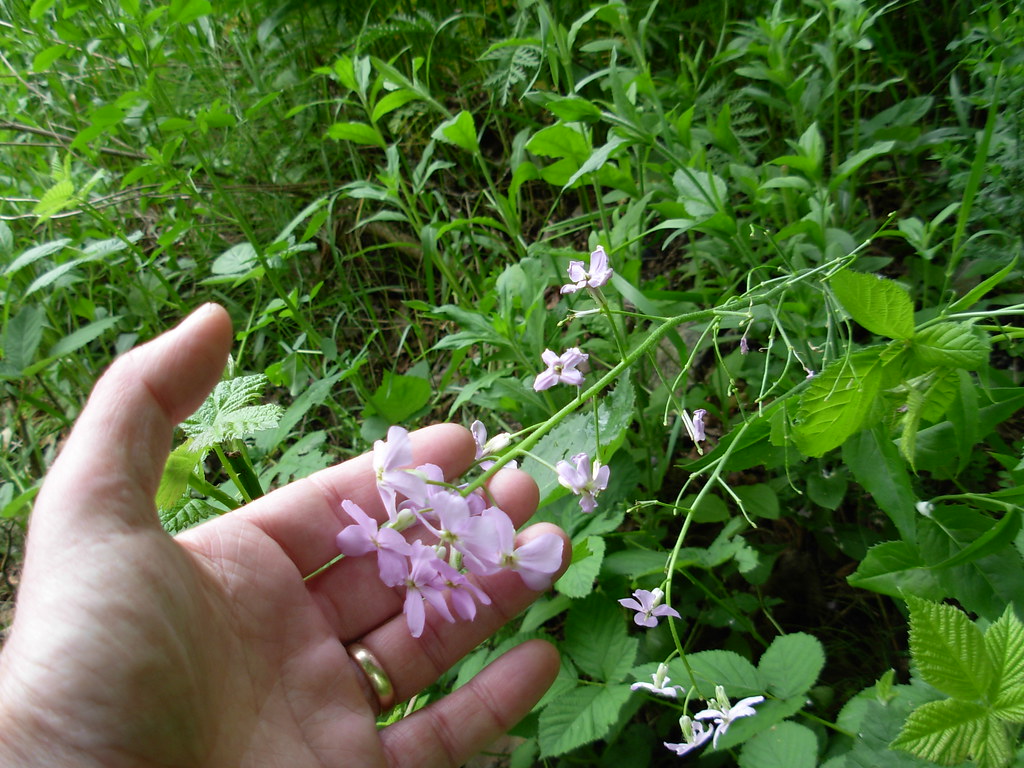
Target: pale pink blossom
(648, 607)
(365, 536)
(594, 276)
(561, 369)
(584, 479)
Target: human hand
(130, 647)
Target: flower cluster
(464, 536)
(721, 713)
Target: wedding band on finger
(375, 674)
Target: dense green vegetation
(387, 197)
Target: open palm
(212, 649)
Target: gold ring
(375, 674)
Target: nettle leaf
(835, 404)
(226, 415)
(597, 640)
(949, 650)
(949, 731)
(876, 303)
(1004, 642)
(787, 745)
(21, 338)
(791, 664)
(579, 717)
(959, 345)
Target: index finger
(304, 518)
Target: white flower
(723, 713)
(694, 735)
(660, 685)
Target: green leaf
(54, 199)
(596, 160)
(787, 745)
(174, 482)
(21, 338)
(1004, 642)
(460, 131)
(357, 133)
(835, 404)
(878, 304)
(186, 514)
(949, 650)
(960, 345)
(560, 141)
(580, 717)
(573, 109)
(891, 489)
(225, 416)
(791, 664)
(391, 102)
(43, 60)
(578, 580)
(856, 160)
(895, 568)
(398, 397)
(726, 668)
(35, 253)
(973, 296)
(949, 731)
(596, 639)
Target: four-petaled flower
(694, 735)
(647, 604)
(364, 536)
(723, 713)
(660, 685)
(597, 275)
(584, 479)
(485, 447)
(560, 369)
(391, 461)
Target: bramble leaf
(791, 664)
(226, 415)
(949, 650)
(1004, 642)
(948, 731)
(787, 745)
(597, 640)
(579, 717)
(878, 304)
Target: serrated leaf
(949, 650)
(596, 639)
(187, 514)
(560, 141)
(959, 345)
(791, 664)
(224, 415)
(876, 303)
(835, 404)
(22, 336)
(578, 580)
(54, 199)
(787, 745)
(726, 668)
(35, 253)
(1004, 642)
(460, 131)
(580, 717)
(949, 731)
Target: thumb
(108, 471)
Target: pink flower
(561, 369)
(485, 447)
(364, 536)
(695, 425)
(647, 606)
(597, 275)
(424, 582)
(391, 461)
(583, 479)
(535, 562)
